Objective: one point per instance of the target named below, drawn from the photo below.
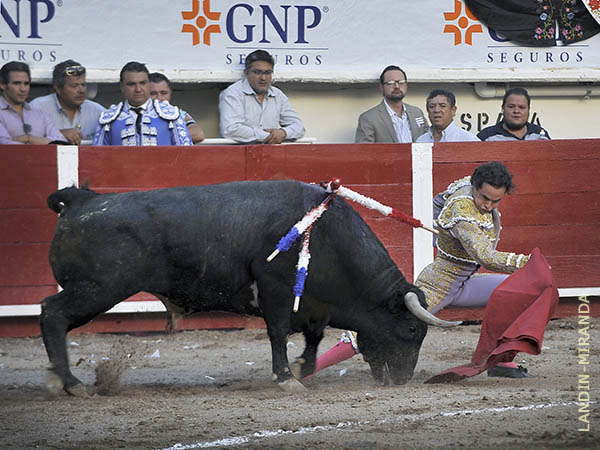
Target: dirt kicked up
(212, 389)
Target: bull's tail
(58, 200)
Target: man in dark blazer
(392, 120)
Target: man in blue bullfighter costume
(140, 120)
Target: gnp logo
(464, 23)
(245, 23)
(22, 23)
(36, 15)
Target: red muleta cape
(514, 320)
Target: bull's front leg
(73, 307)
(54, 326)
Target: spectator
(252, 110)
(441, 108)
(140, 120)
(514, 126)
(160, 88)
(19, 122)
(74, 115)
(392, 120)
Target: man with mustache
(392, 120)
(74, 115)
(441, 108)
(514, 126)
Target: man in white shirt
(441, 108)
(251, 110)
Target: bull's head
(392, 346)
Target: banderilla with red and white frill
(304, 226)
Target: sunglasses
(74, 71)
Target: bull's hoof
(291, 385)
(296, 368)
(54, 384)
(387, 376)
(78, 390)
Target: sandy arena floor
(212, 389)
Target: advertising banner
(312, 40)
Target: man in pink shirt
(19, 122)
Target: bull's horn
(412, 303)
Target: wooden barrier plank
(532, 177)
(403, 259)
(556, 240)
(481, 152)
(551, 209)
(575, 271)
(28, 175)
(26, 295)
(362, 164)
(159, 167)
(25, 265)
(27, 225)
(392, 233)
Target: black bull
(205, 249)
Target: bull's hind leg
(71, 308)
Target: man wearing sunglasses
(19, 122)
(140, 120)
(392, 120)
(251, 110)
(74, 115)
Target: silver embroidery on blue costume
(161, 124)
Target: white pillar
(67, 163)
(67, 159)
(422, 184)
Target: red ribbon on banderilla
(304, 226)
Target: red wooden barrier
(556, 206)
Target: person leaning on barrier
(252, 110)
(514, 125)
(160, 89)
(392, 120)
(441, 108)
(20, 123)
(139, 120)
(74, 115)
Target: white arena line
(259, 435)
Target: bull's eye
(412, 329)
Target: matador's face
(487, 197)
